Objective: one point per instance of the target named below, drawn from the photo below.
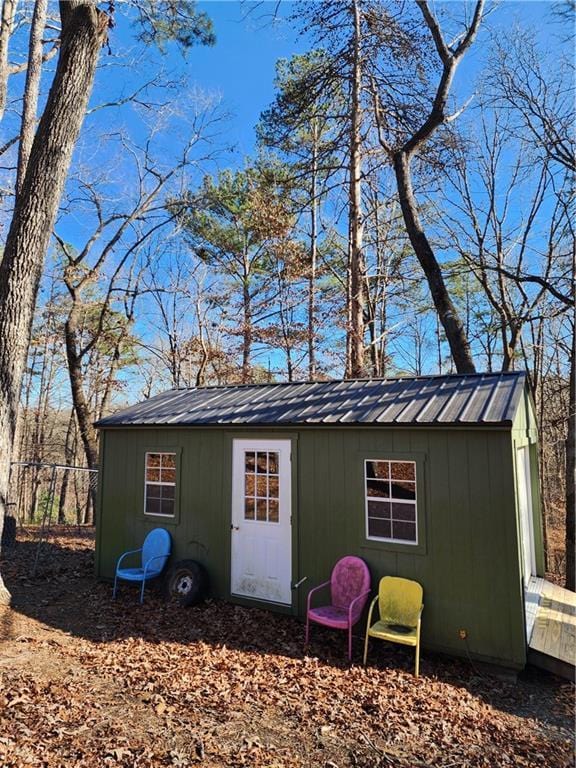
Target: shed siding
(468, 562)
(525, 433)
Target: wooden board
(554, 627)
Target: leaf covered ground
(88, 682)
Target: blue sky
(241, 65)
(240, 69)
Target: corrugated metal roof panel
(489, 398)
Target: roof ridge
(368, 379)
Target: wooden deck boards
(551, 622)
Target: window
(261, 486)
(160, 484)
(390, 488)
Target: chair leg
(307, 630)
(350, 643)
(115, 584)
(417, 660)
(142, 591)
(365, 649)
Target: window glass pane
(403, 470)
(261, 462)
(379, 509)
(273, 514)
(261, 511)
(249, 509)
(168, 506)
(160, 484)
(261, 486)
(168, 475)
(273, 463)
(379, 528)
(404, 512)
(152, 459)
(377, 487)
(404, 531)
(273, 487)
(152, 506)
(153, 491)
(250, 485)
(379, 469)
(390, 488)
(250, 462)
(403, 489)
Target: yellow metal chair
(400, 606)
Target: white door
(261, 565)
(525, 509)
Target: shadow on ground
(65, 596)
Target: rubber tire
(187, 582)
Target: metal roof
(481, 399)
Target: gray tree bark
(6, 27)
(402, 156)
(447, 311)
(355, 364)
(31, 89)
(84, 30)
(571, 467)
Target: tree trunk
(356, 363)
(447, 312)
(31, 89)
(6, 28)
(81, 407)
(571, 471)
(313, 261)
(247, 325)
(69, 458)
(83, 32)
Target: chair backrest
(157, 542)
(400, 601)
(350, 578)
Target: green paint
(468, 555)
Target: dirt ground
(88, 682)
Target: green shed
(432, 478)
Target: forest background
(269, 191)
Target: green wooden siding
(468, 554)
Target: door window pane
(249, 509)
(272, 463)
(273, 487)
(261, 486)
(261, 510)
(273, 511)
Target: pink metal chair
(349, 589)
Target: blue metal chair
(155, 553)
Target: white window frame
(391, 500)
(159, 482)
